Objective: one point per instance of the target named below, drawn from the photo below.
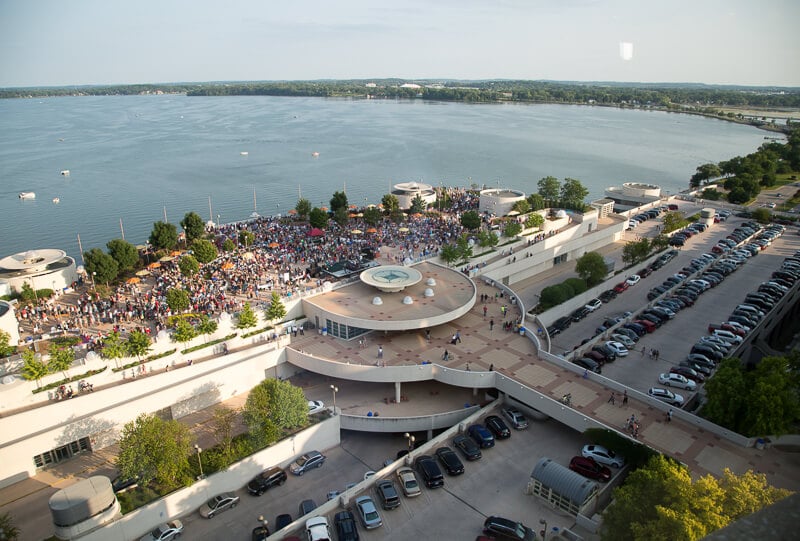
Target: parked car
(622, 286)
(623, 339)
(497, 427)
(266, 480)
(676, 380)
(602, 455)
(618, 348)
(430, 472)
(515, 418)
(387, 494)
(594, 304)
(633, 279)
(665, 395)
(317, 529)
(368, 513)
(309, 461)
(306, 507)
(588, 467)
(218, 504)
(408, 482)
(503, 528)
(346, 529)
(282, 520)
(579, 313)
(468, 447)
(165, 531)
(481, 435)
(588, 364)
(315, 406)
(688, 373)
(449, 459)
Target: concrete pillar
(397, 392)
(474, 391)
(430, 435)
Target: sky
(82, 42)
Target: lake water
(132, 156)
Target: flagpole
(121, 229)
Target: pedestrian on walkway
(467, 369)
(643, 350)
(428, 335)
(669, 415)
(625, 397)
(380, 352)
(491, 324)
(458, 336)
(491, 367)
(613, 398)
(485, 309)
(446, 355)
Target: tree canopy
(138, 344)
(418, 205)
(273, 405)
(303, 208)
(372, 216)
(193, 226)
(592, 268)
(449, 254)
(61, 359)
(6, 348)
(204, 251)
(113, 347)
(177, 299)
(512, 229)
(660, 501)
(549, 188)
(247, 318)
(338, 201)
(124, 253)
(573, 191)
(471, 220)
(164, 236)
(100, 266)
(184, 331)
(33, 368)
(318, 218)
(154, 450)
(188, 265)
(276, 311)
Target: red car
(620, 287)
(588, 467)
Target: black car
(589, 364)
(608, 354)
(503, 528)
(579, 314)
(282, 520)
(345, 524)
(482, 437)
(468, 447)
(449, 459)
(430, 472)
(607, 295)
(497, 427)
(388, 495)
(266, 480)
(562, 323)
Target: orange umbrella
(372, 230)
(273, 244)
(292, 211)
(155, 265)
(227, 266)
(175, 253)
(133, 280)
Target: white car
(728, 336)
(317, 529)
(625, 340)
(602, 455)
(665, 395)
(165, 532)
(594, 304)
(633, 279)
(618, 348)
(315, 406)
(677, 380)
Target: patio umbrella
(143, 272)
(155, 265)
(273, 245)
(248, 255)
(133, 280)
(227, 265)
(292, 211)
(513, 213)
(166, 259)
(403, 230)
(316, 232)
(372, 230)
(175, 253)
(356, 231)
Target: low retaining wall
(406, 424)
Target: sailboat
(254, 214)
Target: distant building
(633, 194)
(407, 191)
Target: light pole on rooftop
(199, 460)
(335, 390)
(411, 439)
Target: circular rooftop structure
(40, 269)
(499, 201)
(391, 278)
(32, 261)
(407, 191)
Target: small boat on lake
(244, 153)
(27, 195)
(315, 154)
(56, 200)
(65, 173)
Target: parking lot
(675, 338)
(493, 485)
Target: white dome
(92, 356)
(224, 317)
(561, 214)
(430, 282)
(408, 300)
(377, 301)
(428, 292)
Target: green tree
(418, 205)
(184, 331)
(372, 216)
(273, 405)
(247, 318)
(33, 368)
(276, 311)
(7, 528)
(471, 220)
(204, 251)
(711, 194)
(592, 268)
(177, 300)
(6, 348)
(228, 245)
(487, 239)
(206, 326)
(762, 215)
(61, 359)
(704, 173)
(573, 191)
(222, 426)
(193, 226)
(673, 220)
(339, 201)
(635, 251)
(303, 208)
(391, 205)
(246, 238)
(113, 348)
(124, 253)
(138, 344)
(449, 254)
(188, 265)
(512, 229)
(154, 450)
(534, 220)
(536, 201)
(464, 248)
(318, 218)
(164, 236)
(522, 206)
(341, 216)
(101, 266)
(549, 188)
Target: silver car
(165, 532)
(408, 482)
(218, 504)
(368, 513)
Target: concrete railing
(405, 424)
(133, 525)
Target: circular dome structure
(40, 269)
(499, 201)
(407, 191)
(391, 278)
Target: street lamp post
(335, 390)
(199, 460)
(264, 524)
(411, 440)
(543, 522)
(94, 283)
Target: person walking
(491, 324)
(458, 336)
(485, 309)
(380, 352)
(613, 398)
(625, 397)
(669, 415)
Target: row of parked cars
(649, 215)
(680, 238)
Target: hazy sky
(61, 42)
